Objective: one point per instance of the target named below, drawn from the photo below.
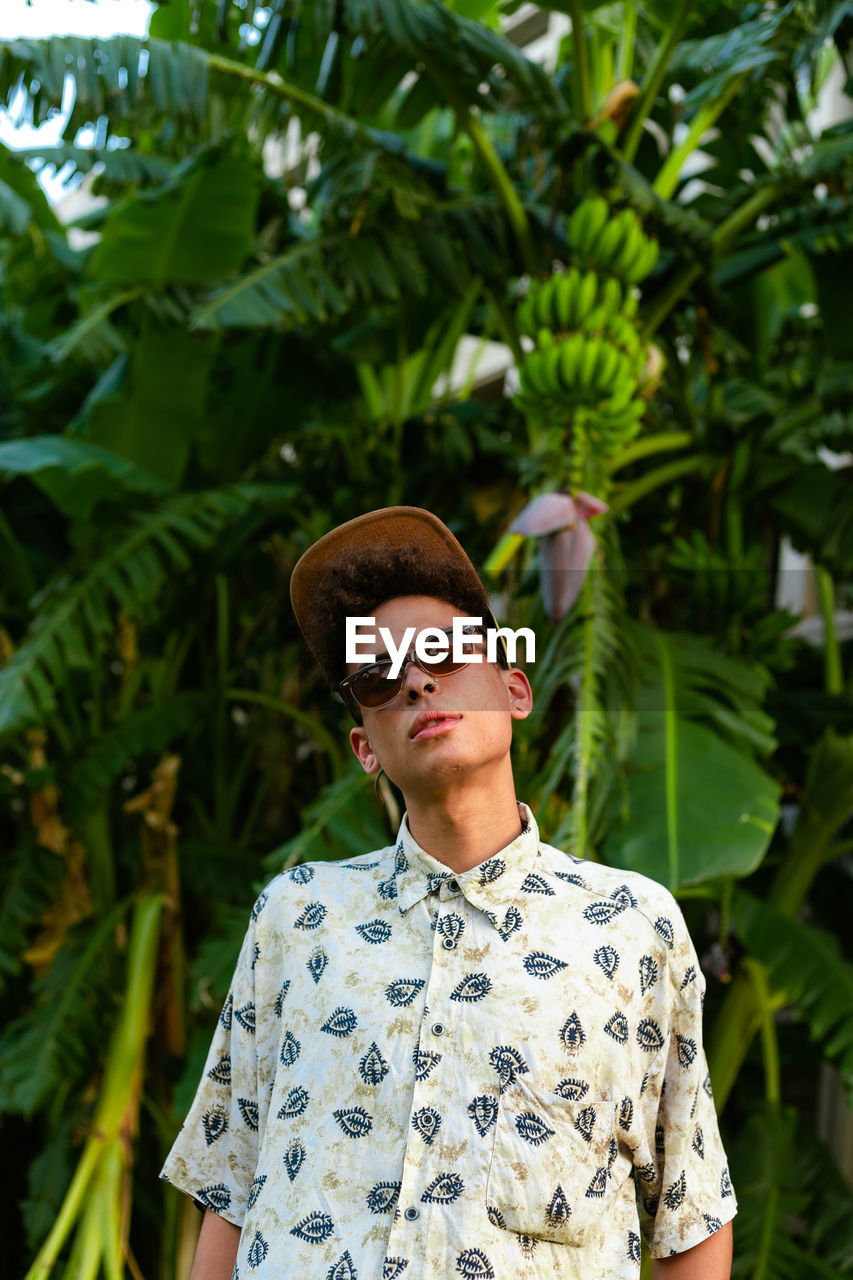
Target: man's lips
(431, 724)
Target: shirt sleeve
(215, 1155)
(684, 1192)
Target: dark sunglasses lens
(374, 689)
(444, 666)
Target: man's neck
(464, 827)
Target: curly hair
(355, 587)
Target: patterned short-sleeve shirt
(492, 1073)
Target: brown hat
(403, 529)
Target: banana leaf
(789, 1191)
(697, 804)
(195, 230)
(806, 964)
(74, 474)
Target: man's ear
(520, 694)
(365, 754)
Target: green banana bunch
(562, 302)
(586, 225)
(612, 245)
(623, 334)
(615, 429)
(583, 369)
(588, 350)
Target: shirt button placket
(409, 1235)
(453, 889)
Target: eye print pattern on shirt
(400, 1044)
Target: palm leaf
(93, 336)
(163, 82)
(55, 1038)
(342, 822)
(469, 51)
(194, 230)
(50, 1172)
(594, 654)
(309, 283)
(74, 473)
(720, 692)
(746, 48)
(212, 970)
(114, 78)
(774, 1163)
(161, 407)
(15, 213)
(602, 645)
(697, 805)
(31, 879)
(805, 963)
(816, 227)
(150, 730)
(22, 200)
(74, 618)
(118, 167)
(814, 508)
(325, 277)
(829, 1228)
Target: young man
(466, 1054)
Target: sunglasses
(372, 687)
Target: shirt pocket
(552, 1171)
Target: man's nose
(415, 680)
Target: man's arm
(216, 1250)
(710, 1260)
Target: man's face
(439, 731)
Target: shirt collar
(490, 885)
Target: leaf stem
(653, 480)
(670, 719)
(654, 79)
(100, 857)
(757, 975)
(504, 550)
(115, 1113)
(309, 722)
(583, 94)
(667, 179)
(491, 162)
(506, 324)
(585, 712)
(220, 727)
(273, 83)
(625, 56)
(832, 672)
(660, 442)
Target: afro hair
(355, 587)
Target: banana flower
(566, 543)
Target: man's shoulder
(631, 890)
(310, 879)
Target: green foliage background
(244, 354)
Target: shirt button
(438, 1029)
(453, 886)
(448, 944)
(411, 1213)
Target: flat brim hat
(384, 530)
